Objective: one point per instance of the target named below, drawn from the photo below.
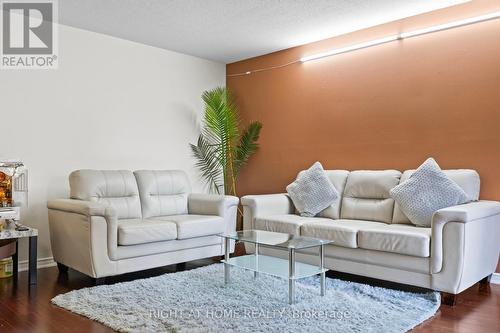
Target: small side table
(32, 235)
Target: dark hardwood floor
(24, 309)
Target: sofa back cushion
(467, 179)
(116, 188)
(163, 192)
(338, 179)
(366, 195)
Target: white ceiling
(231, 30)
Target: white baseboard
(40, 263)
(495, 278)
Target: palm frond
(247, 146)
(220, 114)
(208, 164)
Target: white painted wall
(112, 104)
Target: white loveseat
(122, 221)
(373, 238)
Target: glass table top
(276, 239)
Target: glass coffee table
(287, 269)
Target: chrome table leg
(226, 259)
(291, 276)
(322, 266)
(256, 273)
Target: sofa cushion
(467, 179)
(190, 226)
(366, 195)
(286, 223)
(116, 188)
(341, 232)
(338, 179)
(139, 231)
(174, 245)
(397, 238)
(163, 192)
(312, 191)
(426, 191)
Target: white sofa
(122, 221)
(373, 238)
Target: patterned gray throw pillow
(312, 191)
(425, 192)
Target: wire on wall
(375, 42)
(264, 69)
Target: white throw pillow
(425, 192)
(312, 191)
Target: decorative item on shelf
(7, 224)
(223, 148)
(13, 183)
(6, 268)
(13, 192)
(7, 249)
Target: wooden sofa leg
(484, 284)
(486, 280)
(99, 281)
(63, 269)
(448, 299)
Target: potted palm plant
(223, 148)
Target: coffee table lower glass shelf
(287, 269)
(273, 266)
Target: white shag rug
(197, 301)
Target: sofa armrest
(265, 204)
(211, 204)
(83, 235)
(467, 212)
(82, 207)
(225, 206)
(474, 229)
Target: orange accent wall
(388, 106)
